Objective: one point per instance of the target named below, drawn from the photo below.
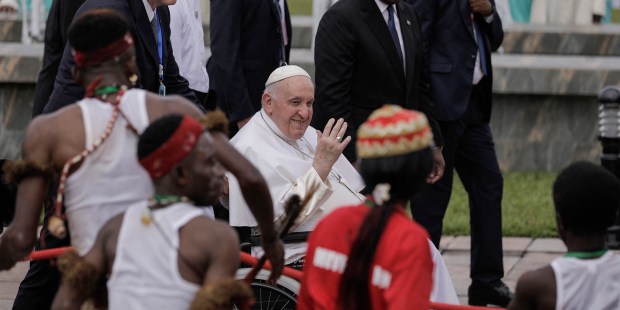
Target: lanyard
(162, 87)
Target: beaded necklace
(56, 223)
(159, 201)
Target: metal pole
(609, 135)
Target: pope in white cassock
(295, 158)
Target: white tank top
(145, 273)
(111, 178)
(587, 283)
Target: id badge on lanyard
(162, 87)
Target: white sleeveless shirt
(111, 178)
(587, 283)
(145, 273)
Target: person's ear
(267, 103)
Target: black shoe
(483, 295)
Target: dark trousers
(469, 149)
(39, 287)
(204, 100)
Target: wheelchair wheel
(281, 296)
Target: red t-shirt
(402, 270)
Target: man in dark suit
(58, 21)
(459, 36)
(249, 39)
(369, 53)
(141, 15)
(8, 193)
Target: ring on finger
(338, 139)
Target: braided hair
(406, 175)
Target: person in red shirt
(373, 256)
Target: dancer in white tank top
(586, 199)
(91, 145)
(105, 67)
(98, 190)
(145, 274)
(160, 252)
(592, 283)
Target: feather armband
(222, 294)
(18, 170)
(80, 274)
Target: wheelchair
(282, 295)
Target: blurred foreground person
(91, 143)
(160, 251)
(586, 199)
(373, 256)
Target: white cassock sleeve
(309, 183)
(443, 289)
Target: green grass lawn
(300, 7)
(527, 207)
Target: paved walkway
(520, 255)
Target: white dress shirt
(149, 11)
(188, 46)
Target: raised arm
(33, 176)
(256, 194)
(492, 26)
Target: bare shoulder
(158, 106)
(535, 289)
(43, 130)
(542, 278)
(213, 231)
(36, 132)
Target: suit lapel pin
(408, 23)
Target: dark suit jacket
(56, 36)
(451, 53)
(358, 70)
(8, 196)
(245, 45)
(66, 91)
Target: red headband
(98, 56)
(174, 150)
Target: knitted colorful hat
(392, 130)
